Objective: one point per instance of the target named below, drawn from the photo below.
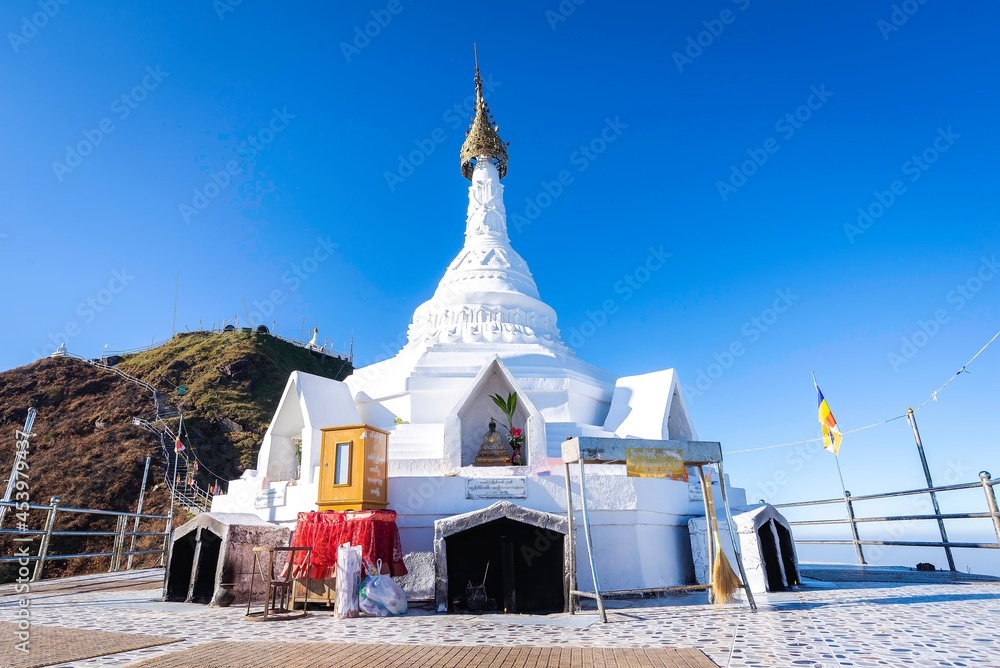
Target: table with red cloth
(374, 530)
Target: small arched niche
(469, 421)
(285, 443)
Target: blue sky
(282, 155)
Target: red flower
(515, 432)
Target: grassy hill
(87, 451)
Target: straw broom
(724, 580)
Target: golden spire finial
(482, 139)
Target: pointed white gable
(307, 404)
(650, 405)
(468, 422)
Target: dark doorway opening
(208, 561)
(525, 566)
(770, 557)
(787, 554)
(181, 564)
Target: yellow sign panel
(655, 463)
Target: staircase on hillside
(177, 476)
(187, 493)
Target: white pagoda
(486, 331)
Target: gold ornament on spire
(482, 139)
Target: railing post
(911, 418)
(854, 528)
(116, 551)
(138, 511)
(167, 533)
(43, 546)
(991, 501)
(115, 548)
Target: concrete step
(416, 441)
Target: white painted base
(639, 525)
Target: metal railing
(187, 495)
(24, 536)
(986, 483)
(190, 495)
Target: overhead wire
(934, 394)
(932, 397)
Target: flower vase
(515, 439)
(516, 458)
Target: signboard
(375, 466)
(598, 449)
(655, 463)
(269, 498)
(496, 488)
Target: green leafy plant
(508, 406)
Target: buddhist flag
(178, 446)
(831, 434)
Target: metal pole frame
(116, 551)
(911, 418)
(138, 510)
(570, 585)
(850, 515)
(991, 501)
(855, 537)
(43, 547)
(21, 446)
(590, 544)
(735, 539)
(709, 538)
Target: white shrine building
(485, 331)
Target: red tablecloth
(374, 530)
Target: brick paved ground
(49, 645)
(819, 625)
(341, 655)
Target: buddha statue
(493, 451)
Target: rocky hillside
(87, 451)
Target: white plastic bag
(367, 605)
(348, 581)
(380, 595)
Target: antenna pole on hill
(177, 285)
(249, 321)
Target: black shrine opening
(180, 567)
(526, 565)
(205, 568)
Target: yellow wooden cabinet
(353, 468)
